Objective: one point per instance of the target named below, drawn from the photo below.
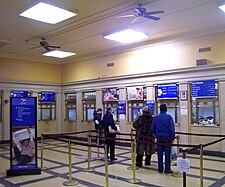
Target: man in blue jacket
(163, 128)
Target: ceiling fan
(142, 12)
(46, 45)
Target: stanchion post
(177, 174)
(201, 165)
(184, 173)
(89, 169)
(42, 152)
(134, 180)
(178, 148)
(132, 155)
(42, 149)
(70, 182)
(106, 168)
(132, 145)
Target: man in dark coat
(164, 130)
(98, 124)
(143, 126)
(108, 121)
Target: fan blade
(155, 12)
(135, 19)
(35, 47)
(125, 16)
(52, 46)
(151, 17)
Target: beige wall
(157, 57)
(20, 70)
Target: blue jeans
(160, 150)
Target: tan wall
(157, 57)
(20, 70)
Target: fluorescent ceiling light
(127, 36)
(58, 54)
(47, 13)
(221, 5)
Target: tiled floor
(57, 172)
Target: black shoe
(168, 172)
(160, 172)
(138, 165)
(113, 159)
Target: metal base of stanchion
(70, 183)
(173, 164)
(134, 181)
(88, 170)
(177, 174)
(131, 168)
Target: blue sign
(151, 104)
(23, 120)
(204, 88)
(167, 91)
(121, 107)
(23, 111)
(47, 97)
(19, 93)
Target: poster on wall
(167, 91)
(121, 107)
(47, 97)
(110, 94)
(205, 88)
(135, 93)
(151, 104)
(23, 136)
(19, 93)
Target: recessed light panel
(127, 36)
(58, 54)
(47, 13)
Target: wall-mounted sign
(205, 88)
(121, 107)
(110, 94)
(151, 104)
(89, 95)
(19, 93)
(167, 91)
(135, 93)
(47, 97)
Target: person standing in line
(98, 124)
(108, 121)
(143, 126)
(164, 130)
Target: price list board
(167, 91)
(202, 89)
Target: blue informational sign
(121, 107)
(167, 91)
(47, 97)
(23, 111)
(19, 93)
(151, 104)
(23, 120)
(205, 88)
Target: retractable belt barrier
(133, 141)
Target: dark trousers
(99, 138)
(110, 147)
(22, 159)
(160, 150)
